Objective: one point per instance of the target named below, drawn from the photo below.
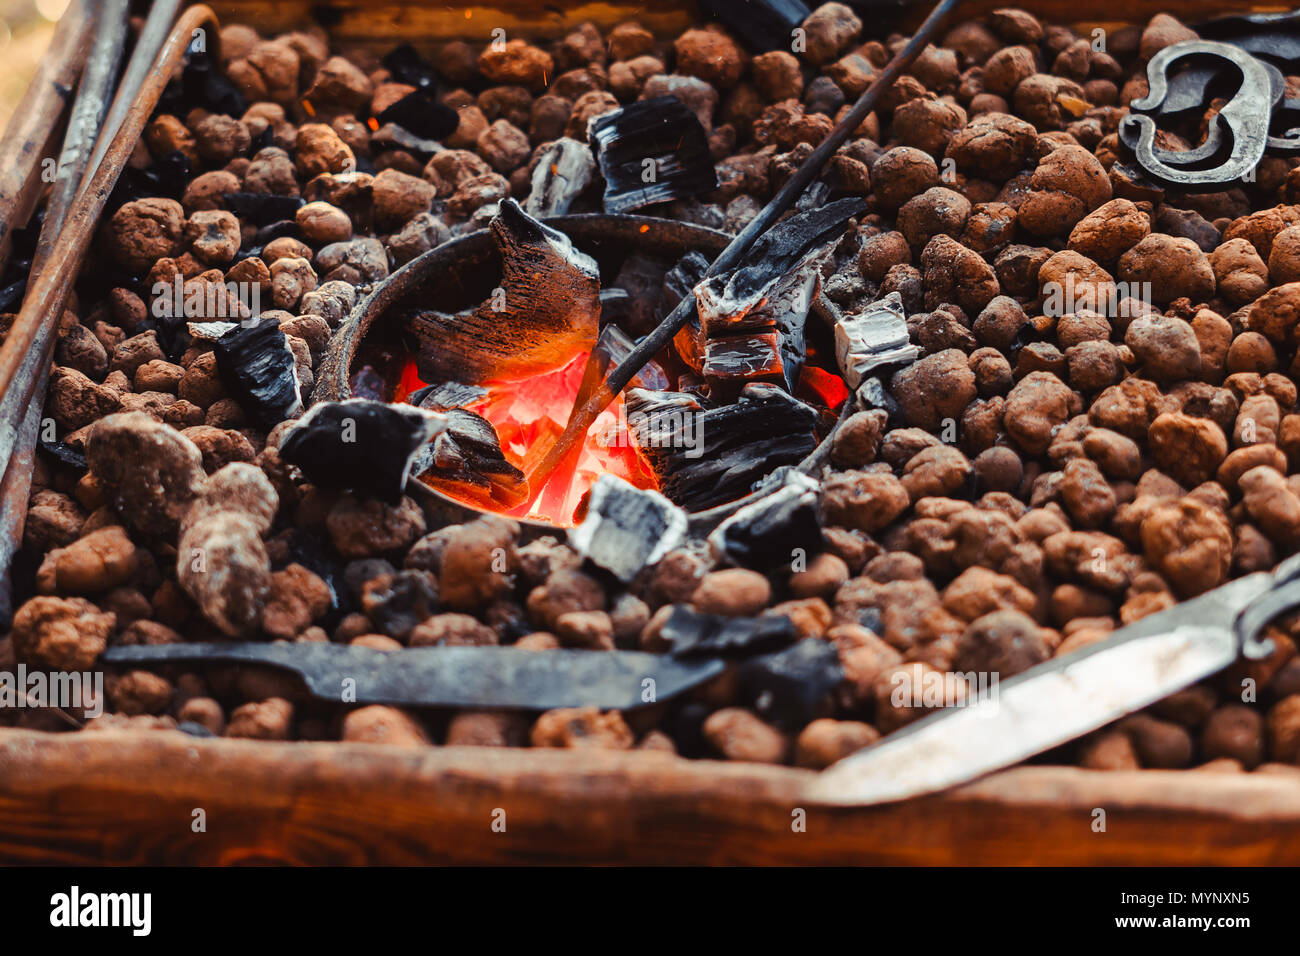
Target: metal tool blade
(488, 677)
(1048, 705)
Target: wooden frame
(129, 798)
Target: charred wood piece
(678, 282)
(546, 308)
(693, 634)
(468, 452)
(361, 445)
(763, 25)
(439, 398)
(564, 169)
(650, 152)
(708, 456)
(874, 340)
(792, 687)
(626, 529)
(765, 534)
(258, 369)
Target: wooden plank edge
(119, 798)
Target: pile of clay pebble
(1049, 477)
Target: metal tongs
(1060, 700)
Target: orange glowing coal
(528, 415)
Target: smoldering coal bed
(446, 332)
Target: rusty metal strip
(35, 121)
(24, 358)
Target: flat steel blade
(488, 677)
(1047, 705)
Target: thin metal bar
(35, 120)
(24, 370)
(583, 416)
(162, 14)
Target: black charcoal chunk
(285, 228)
(707, 456)
(641, 279)
(206, 86)
(396, 603)
(407, 66)
(792, 687)
(262, 209)
(418, 113)
(65, 454)
(439, 398)
(872, 394)
(258, 370)
(659, 140)
(312, 552)
(393, 136)
(626, 528)
(768, 533)
(682, 278)
(693, 634)
(360, 445)
(762, 25)
(11, 296)
(874, 340)
(563, 170)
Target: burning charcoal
(547, 307)
(563, 171)
(439, 398)
(262, 209)
(258, 370)
(769, 533)
(761, 24)
(874, 340)
(693, 634)
(706, 457)
(468, 452)
(367, 383)
(661, 139)
(733, 360)
(678, 281)
(626, 529)
(612, 347)
(422, 115)
(360, 445)
(873, 394)
(791, 687)
(407, 66)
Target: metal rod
(87, 117)
(162, 14)
(33, 124)
(583, 416)
(23, 370)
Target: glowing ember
(529, 414)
